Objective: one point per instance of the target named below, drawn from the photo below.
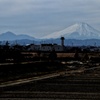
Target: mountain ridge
(9, 36)
(76, 31)
(75, 42)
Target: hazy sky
(40, 17)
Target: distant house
(33, 47)
(17, 47)
(58, 48)
(94, 49)
(47, 47)
(50, 47)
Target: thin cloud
(47, 16)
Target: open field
(75, 86)
(14, 71)
(80, 79)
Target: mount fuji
(79, 31)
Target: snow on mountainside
(76, 31)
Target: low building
(33, 47)
(50, 47)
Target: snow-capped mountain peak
(76, 31)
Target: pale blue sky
(41, 17)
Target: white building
(45, 47)
(33, 47)
(58, 47)
(50, 47)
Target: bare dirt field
(82, 85)
(77, 86)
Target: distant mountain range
(9, 36)
(77, 35)
(78, 31)
(75, 42)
